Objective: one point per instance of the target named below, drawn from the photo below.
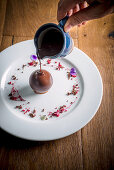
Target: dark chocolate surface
(40, 82)
(50, 42)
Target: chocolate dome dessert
(40, 81)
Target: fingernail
(67, 28)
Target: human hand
(80, 11)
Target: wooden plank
(6, 41)
(74, 34)
(97, 136)
(2, 14)
(19, 154)
(24, 17)
(0, 40)
(19, 39)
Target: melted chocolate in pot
(50, 42)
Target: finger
(86, 14)
(83, 5)
(79, 25)
(83, 23)
(76, 8)
(70, 12)
(64, 6)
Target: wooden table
(91, 148)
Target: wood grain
(2, 14)
(19, 154)
(24, 17)
(0, 40)
(74, 34)
(19, 39)
(98, 135)
(6, 41)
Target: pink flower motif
(48, 61)
(33, 57)
(73, 72)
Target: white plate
(86, 104)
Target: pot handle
(63, 21)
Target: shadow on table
(12, 142)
